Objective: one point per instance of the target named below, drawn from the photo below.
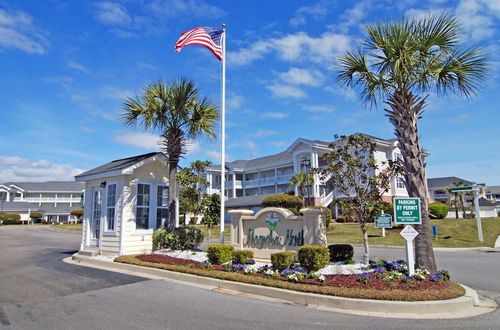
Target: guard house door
(95, 221)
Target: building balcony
(441, 196)
(53, 200)
(267, 181)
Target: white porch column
(234, 185)
(315, 164)
(276, 180)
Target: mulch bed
(341, 281)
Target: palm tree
(458, 200)
(302, 181)
(178, 113)
(397, 62)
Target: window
(398, 156)
(161, 206)
(400, 182)
(110, 207)
(142, 208)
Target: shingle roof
(484, 202)
(282, 157)
(445, 182)
(49, 186)
(118, 164)
(493, 189)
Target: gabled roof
(445, 182)
(484, 202)
(48, 186)
(282, 157)
(119, 166)
(493, 189)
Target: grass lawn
(72, 226)
(452, 233)
(216, 233)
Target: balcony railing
(441, 196)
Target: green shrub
(219, 253)
(340, 219)
(313, 257)
(10, 219)
(241, 256)
(182, 238)
(340, 252)
(439, 210)
(36, 215)
(283, 260)
(293, 203)
(77, 213)
(328, 216)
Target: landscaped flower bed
(387, 280)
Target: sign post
(409, 233)
(475, 189)
(407, 211)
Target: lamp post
(306, 163)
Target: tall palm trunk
(173, 141)
(404, 114)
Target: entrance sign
(383, 221)
(409, 233)
(407, 211)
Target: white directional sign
(409, 233)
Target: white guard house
(125, 200)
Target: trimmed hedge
(283, 200)
(10, 219)
(36, 215)
(438, 209)
(182, 238)
(283, 260)
(313, 257)
(340, 252)
(241, 256)
(219, 253)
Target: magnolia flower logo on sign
(272, 220)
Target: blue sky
(67, 65)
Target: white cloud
(63, 81)
(17, 31)
(234, 101)
(274, 115)
(262, 133)
(116, 93)
(319, 108)
(285, 91)
(296, 76)
(112, 13)
(354, 15)
(77, 66)
(347, 92)
(317, 11)
(192, 8)
(213, 155)
(278, 144)
(458, 119)
(14, 168)
(298, 47)
(142, 140)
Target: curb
(497, 243)
(64, 230)
(453, 308)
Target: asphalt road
(39, 291)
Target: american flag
(203, 36)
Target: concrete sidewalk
(466, 306)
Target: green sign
(383, 221)
(458, 189)
(407, 211)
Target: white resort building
(54, 199)
(248, 181)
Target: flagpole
(223, 137)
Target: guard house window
(110, 207)
(142, 208)
(161, 206)
(400, 182)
